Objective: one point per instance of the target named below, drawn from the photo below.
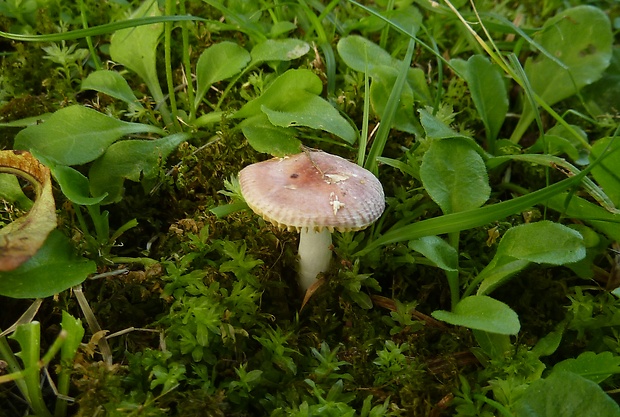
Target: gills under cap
(313, 190)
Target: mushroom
(314, 193)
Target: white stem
(314, 255)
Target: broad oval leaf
(435, 128)
(129, 159)
(578, 46)
(314, 112)
(218, 62)
(293, 100)
(74, 185)
(76, 135)
(53, 269)
(279, 50)
(360, 54)
(136, 47)
(484, 313)
(454, 175)
(437, 251)
(404, 118)
(284, 90)
(543, 242)
(498, 272)
(21, 239)
(488, 92)
(264, 137)
(112, 84)
(596, 367)
(565, 394)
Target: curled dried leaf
(21, 239)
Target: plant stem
(89, 40)
(187, 64)
(453, 276)
(9, 357)
(168, 64)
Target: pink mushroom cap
(312, 191)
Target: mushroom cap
(313, 190)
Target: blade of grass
(99, 30)
(530, 95)
(405, 32)
(324, 44)
(187, 65)
(363, 141)
(478, 217)
(471, 218)
(169, 10)
(513, 70)
(89, 40)
(390, 110)
(386, 30)
(555, 162)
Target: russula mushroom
(314, 193)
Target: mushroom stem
(314, 255)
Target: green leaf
(496, 346)
(548, 344)
(454, 175)
(218, 62)
(437, 129)
(578, 45)
(559, 141)
(564, 394)
(293, 100)
(579, 208)
(11, 191)
(498, 272)
(606, 173)
(136, 48)
(283, 91)
(596, 367)
(362, 55)
(488, 92)
(112, 84)
(436, 250)
(28, 335)
(53, 269)
(267, 138)
(391, 108)
(543, 242)
(76, 135)
(359, 53)
(484, 313)
(314, 112)
(279, 50)
(601, 97)
(540, 242)
(75, 333)
(404, 119)
(74, 185)
(132, 160)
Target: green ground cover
(135, 280)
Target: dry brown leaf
(21, 239)
(310, 291)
